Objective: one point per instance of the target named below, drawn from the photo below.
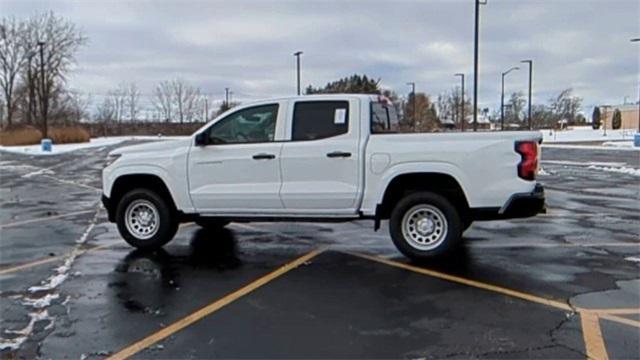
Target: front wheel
(145, 220)
(424, 225)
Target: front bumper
(111, 212)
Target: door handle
(264, 156)
(336, 154)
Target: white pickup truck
(323, 158)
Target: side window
(384, 119)
(319, 119)
(251, 125)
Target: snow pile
(621, 170)
(95, 142)
(579, 134)
(618, 144)
(541, 171)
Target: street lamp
(45, 97)
(475, 64)
(502, 96)
(31, 107)
(530, 62)
(297, 55)
(638, 40)
(413, 101)
(461, 100)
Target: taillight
(528, 166)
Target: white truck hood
(161, 145)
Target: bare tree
(186, 98)
(78, 105)
(565, 106)
(163, 100)
(133, 100)
(13, 57)
(448, 104)
(516, 103)
(118, 101)
(60, 41)
(105, 113)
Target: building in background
(628, 112)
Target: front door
(238, 169)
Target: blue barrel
(636, 139)
(47, 144)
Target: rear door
(321, 169)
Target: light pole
(530, 62)
(475, 64)
(413, 101)
(461, 100)
(502, 96)
(45, 97)
(638, 40)
(297, 55)
(605, 107)
(31, 108)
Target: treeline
(429, 115)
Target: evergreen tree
(616, 122)
(355, 84)
(596, 120)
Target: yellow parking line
(49, 259)
(593, 341)
(213, 307)
(468, 282)
(618, 311)
(46, 218)
(621, 320)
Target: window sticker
(340, 116)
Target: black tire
(212, 223)
(167, 224)
(451, 230)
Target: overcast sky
(248, 45)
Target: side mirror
(201, 139)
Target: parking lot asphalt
(564, 284)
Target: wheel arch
(125, 183)
(437, 182)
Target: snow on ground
(622, 170)
(95, 142)
(591, 147)
(581, 133)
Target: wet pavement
(561, 285)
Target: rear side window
(384, 118)
(314, 120)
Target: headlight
(111, 158)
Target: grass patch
(28, 135)
(68, 135)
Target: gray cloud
(247, 45)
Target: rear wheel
(424, 225)
(145, 220)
